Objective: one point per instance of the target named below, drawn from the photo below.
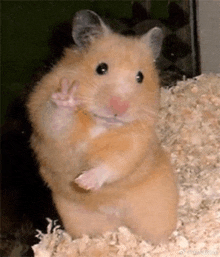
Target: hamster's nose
(117, 106)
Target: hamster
(93, 117)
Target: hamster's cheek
(99, 100)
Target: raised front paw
(93, 179)
(66, 97)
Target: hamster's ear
(153, 39)
(87, 26)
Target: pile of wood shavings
(189, 127)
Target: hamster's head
(118, 81)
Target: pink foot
(92, 179)
(66, 98)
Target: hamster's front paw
(65, 98)
(93, 179)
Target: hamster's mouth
(109, 120)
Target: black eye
(139, 77)
(102, 68)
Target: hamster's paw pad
(92, 179)
(66, 98)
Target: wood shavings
(189, 128)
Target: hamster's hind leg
(78, 220)
(152, 212)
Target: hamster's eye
(139, 77)
(102, 68)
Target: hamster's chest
(103, 125)
(97, 130)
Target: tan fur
(139, 190)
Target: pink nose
(117, 106)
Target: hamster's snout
(118, 106)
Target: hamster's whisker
(86, 100)
(91, 85)
(149, 112)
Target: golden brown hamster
(93, 117)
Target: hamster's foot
(93, 179)
(65, 98)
